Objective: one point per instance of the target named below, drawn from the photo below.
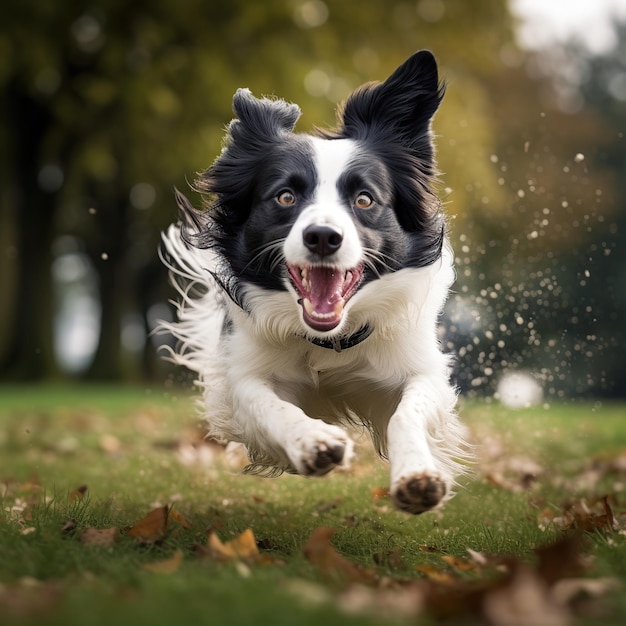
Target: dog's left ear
(401, 107)
(260, 118)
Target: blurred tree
(540, 272)
(109, 104)
(603, 88)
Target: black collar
(343, 343)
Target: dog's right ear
(400, 109)
(260, 118)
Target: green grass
(129, 447)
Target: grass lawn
(81, 468)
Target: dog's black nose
(323, 240)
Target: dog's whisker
(274, 248)
(375, 259)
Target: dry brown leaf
(30, 597)
(69, 527)
(525, 600)
(569, 590)
(152, 527)
(478, 557)
(180, 519)
(435, 574)
(404, 601)
(110, 444)
(496, 479)
(166, 566)
(242, 547)
(587, 515)
(460, 565)
(77, 494)
(390, 558)
(618, 463)
(321, 553)
(32, 484)
(516, 474)
(105, 537)
(378, 493)
(561, 559)
(508, 591)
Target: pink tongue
(326, 286)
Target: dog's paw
(318, 452)
(419, 492)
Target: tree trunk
(29, 352)
(107, 251)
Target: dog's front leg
(280, 433)
(420, 478)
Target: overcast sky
(547, 21)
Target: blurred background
(107, 105)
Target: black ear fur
(260, 117)
(259, 122)
(403, 105)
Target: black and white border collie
(312, 283)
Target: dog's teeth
(308, 307)
(304, 274)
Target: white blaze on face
(324, 284)
(327, 208)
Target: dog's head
(320, 216)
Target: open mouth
(324, 292)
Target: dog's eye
(363, 201)
(286, 198)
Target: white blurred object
(519, 390)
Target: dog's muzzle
(324, 292)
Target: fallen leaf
(567, 591)
(77, 494)
(309, 593)
(166, 566)
(404, 602)
(110, 444)
(478, 557)
(561, 559)
(431, 549)
(105, 537)
(321, 553)
(245, 545)
(434, 573)
(461, 565)
(514, 474)
(618, 463)
(587, 515)
(30, 597)
(179, 519)
(69, 527)
(378, 493)
(152, 527)
(524, 600)
(33, 484)
(390, 558)
(242, 547)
